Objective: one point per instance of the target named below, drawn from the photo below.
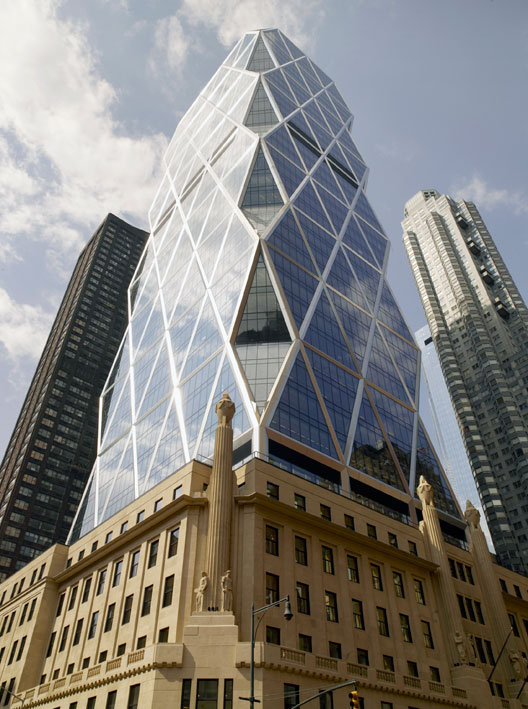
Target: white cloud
(64, 159)
(476, 189)
(172, 42)
(23, 328)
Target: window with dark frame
(272, 588)
(147, 600)
(399, 589)
(303, 598)
(272, 540)
(357, 614)
(331, 607)
(377, 581)
(328, 560)
(153, 553)
(301, 552)
(352, 568)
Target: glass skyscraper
(479, 325)
(264, 276)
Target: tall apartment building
(449, 444)
(479, 325)
(53, 446)
(264, 277)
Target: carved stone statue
(227, 591)
(200, 591)
(472, 515)
(425, 492)
(225, 409)
(461, 647)
(516, 663)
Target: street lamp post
(288, 615)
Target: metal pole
(500, 653)
(252, 660)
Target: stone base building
(141, 612)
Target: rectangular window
(117, 573)
(362, 656)
(292, 696)
(207, 694)
(86, 590)
(147, 600)
(168, 591)
(377, 581)
(405, 628)
(158, 504)
(64, 637)
(140, 516)
(121, 650)
(334, 650)
(357, 612)
(398, 584)
(177, 492)
(61, 603)
(413, 549)
(372, 531)
(73, 596)
(419, 591)
(388, 663)
(133, 697)
(300, 502)
(109, 618)
(435, 674)
(111, 698)
(513, 624)
(461, 572)
(489, 652)
(173, 542)
(427, 635)
(13, 651)
(452, 568)
(303, 598)
(153, 553)
(461, 605)
(328, 560)
(134, 564)
(393, 540)
(383, 623)
(326, 512)
(32, 609)
(228, 694)
(124, 528)
(272, 540)
(412, 668)
(480, 616)
(305, 642)
(471, 610)
(102, 656)
(163, 635)
(186, 694)
(90, 704)
(301, 552)
(272, 588)
(101, 582)
(469, 574)
(50, 644)
(127, 609)
(93, 625)
(349, 522)
(352, 568)
(331, 607)
(141, 642)
(272, 490)
(78, 631)
(272, 635)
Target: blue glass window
(294, 51)
(364, 210)
(319, 241)
(261, 115)
(121, 493)
(300, 92)
(389, 314)
(367, 276)
(356, 325)
(308, 201)
(323, 78)
(290, 175)
(370, 453)
(287, 237)
(397, 421)
(330, 113)
(277, 81)
(260, 59)
(343, 280)
(353, 237)
(309, 75)
(427, 465)
(335, 209)
(325, 177)
(281, 140)
(278, 47)
(381, 370)
(406, 358)
(261, 190)
(337, 100)
(169, 455)
(306, 145)
(324, 334)
(195, 395)
(299, 287)
(299, 414)
(338, 389)
(206, 340)
(322, 134)
(377, 243)
(147, 433)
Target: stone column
(457, 647)
(220, 495)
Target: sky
(91, 93)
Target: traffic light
(354, 699)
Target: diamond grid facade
(264, 276)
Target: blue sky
(92, 91)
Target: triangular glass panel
(85, 518)
(196, 392)
(108, 466)
(291, 177)
(119, 417)
(210, 249)
(308, 202)
(382, 372)
(281, 140)
(367, 276)
(260, 59)
(336, 98)
(337, 211)
(169, 454)
(321, 133)
(147, 434)
(309, 75)
(173, 270)
(299, 414)
(284, 104)
(428, 466)
(121, 363)
(294, 51)
(261, 116)
(325, 176)
(390, 315)
(276, 81)
(277, 47)
(398, 422)
(262, 199)
(324, 78)
(319, 241)
(287, 237)
(342, 279)
(371, 453)
(357, 167)
(262, 340)
(377, 243)
(298, 285)
(243, 57)
(160, 384)
(325, 106)
(240, 421)
(192, 288)
(338, 389)
(181, 333)
(300, 92)
(142, 370)
(364, 210)
(324, 334)
(347, 142)
(356, 325)
(206, 340)
(123, 491)
(353, 237)
(306, 145)
(406, 358)
(153, 330)
(148, 287)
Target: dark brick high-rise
(53, 446)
